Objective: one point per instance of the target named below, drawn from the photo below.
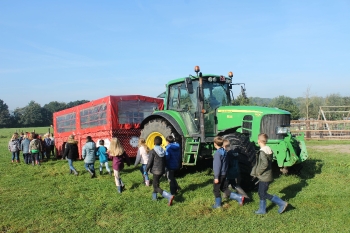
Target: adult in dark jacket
(156, 163)
(173, 161)
(71, 153)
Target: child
(89, 151)
(156, 163)
(220, 169)
(142, 156)
(101, 152)
(71, 153)
(34, 148)
(173, 162)
(25, 149)
(14, 147)
(117, 152)
(232, 175)
(262, 170)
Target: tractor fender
(228, 131)
(170, 118)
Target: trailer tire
(246, 157)
(158, 127)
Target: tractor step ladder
(191, 152)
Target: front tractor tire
(246, 157)
(158, 127)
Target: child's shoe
(12, 161)
(217, 203)
(239, 198)
(169, 197)
(282, 204)
(154, 196)
(119, 189)
(262, 207)
(147, 182)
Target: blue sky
(73, 50)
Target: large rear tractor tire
(158, 127)
(246, 158)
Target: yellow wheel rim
(151, 137)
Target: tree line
(306, 107)
(33, 114)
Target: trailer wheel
(158, 127)
(246, 157)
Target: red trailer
(111, 116)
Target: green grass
(48, 199)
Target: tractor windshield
(216, 94)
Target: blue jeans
(70, 164)
(143, 169)
(262, 191)
(15, 155)
(90, 167)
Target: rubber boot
(154, 196)
(282, 204)
(75, 173)
(12, 160)
(147, 182)
(100, 172)
(119, 188)
(262, 207)
(217, 203)
(169, 197)
(70, 171)
(239, 198)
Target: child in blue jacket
(220, 170)
(173, 162)
(101, 152)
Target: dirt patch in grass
(336, 148)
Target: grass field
(48, 199)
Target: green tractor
(198, 108)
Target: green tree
(5, 117)
(48, 110)
(286, 103)
(31, 115)
(75, 103)
(241, 100)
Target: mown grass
(48, 199)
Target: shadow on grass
(311, 167)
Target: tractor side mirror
(189, 86)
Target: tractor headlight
(282, 129)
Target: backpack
(36, 145)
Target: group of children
(155, 160)
(159, 162)
(225, 168)
(32, 146)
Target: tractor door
(186, 104)
(215, 95)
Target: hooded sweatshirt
(89, 152)
(262, 168)
(156, 161)
(173, 156)
(14, 145)
(219, 163)
(141, 156)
